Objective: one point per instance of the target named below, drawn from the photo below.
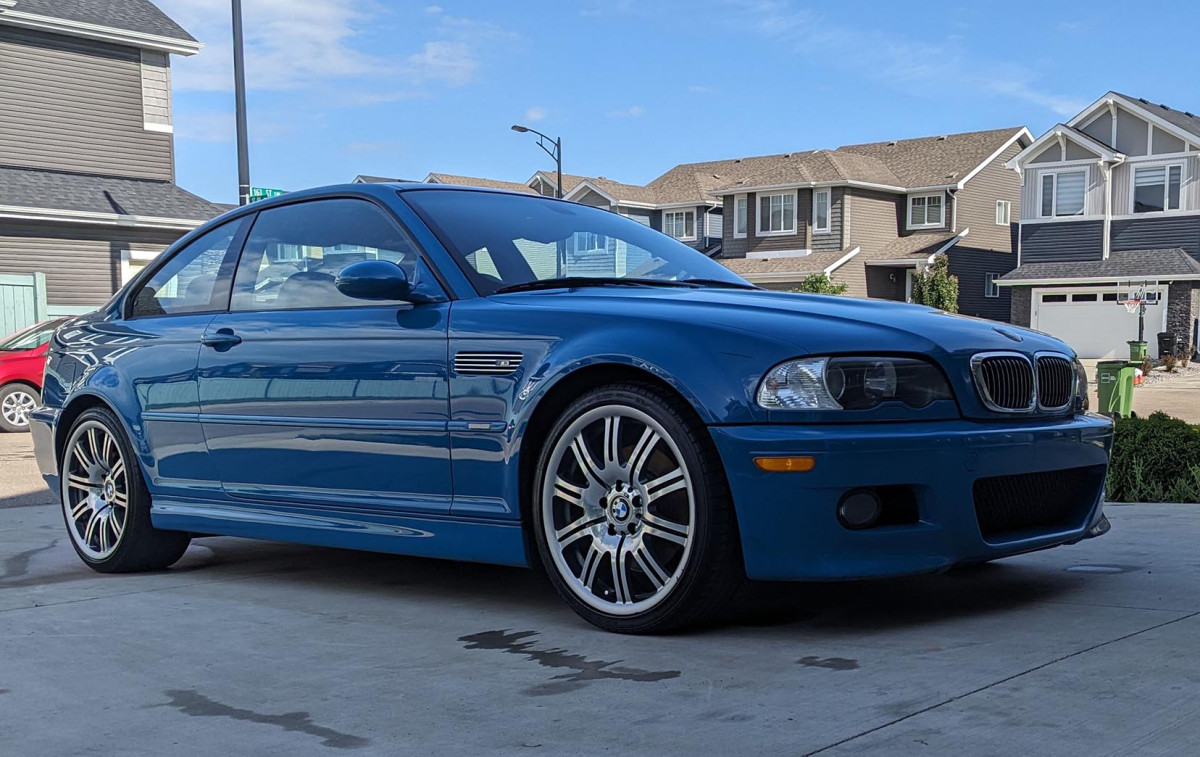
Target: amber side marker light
(786, 464)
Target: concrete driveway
(271, 649)
(1178, 395)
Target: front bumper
(788, 521)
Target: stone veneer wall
(1021, 310)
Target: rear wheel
(632, 514)
(17, 401)
(106, 505)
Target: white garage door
(1093, 322)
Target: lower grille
(1012, 507)
(1056, 382)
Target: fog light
(859, 509)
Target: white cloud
(435, 9)
(631, 112)
(535, 114)
(913, 65)
(387, 147)
(301, 46)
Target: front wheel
(17, 401)
(106, 505)
(632, 513)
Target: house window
(739, 216)
(990, 287)
(1063, 193)
(925, 210)
(1157, 188)
(777, 213)
(680, 224)
(821, 211)
(1003, 212)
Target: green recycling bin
(1114, 384)
(1138, 351)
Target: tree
(935, 287)
(819, 283)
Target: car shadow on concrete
(831, 606)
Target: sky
(402, 88)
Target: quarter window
(777, 214)
(1063, 193)
(821, 211)
(680, 224)
(294, 253)
(1157, 188)
(925, 210)
(192, 281)
(740, 206)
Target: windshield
(32, 337)
(502, 241)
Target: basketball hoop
(1132, 305)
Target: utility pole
(239, 88)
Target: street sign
(263, 193)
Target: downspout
(1106, 172)
(953, 209)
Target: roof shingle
(1129, 264)
(128, 15)
(1184, 120)
(801, 266)
(88, 193)
(475, 181)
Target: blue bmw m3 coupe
(479, 375)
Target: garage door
(1093, 322)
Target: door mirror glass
(373, 280)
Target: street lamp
(239, 89)
(546, 143)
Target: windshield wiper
(570, 282)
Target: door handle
(222, 339)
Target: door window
(294, 253)
(191, 281)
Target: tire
(636, 531)
(16, 402)
(106, 506)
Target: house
(87, 168)
(1111, 209)
(872, 215)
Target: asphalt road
(272, 649)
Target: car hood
(814, 324)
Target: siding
(854, 275)
(1159, 232)
(977, 203)
(1068, 240)
(1122, 179)
(970, 265)
(76, 105)
(874, 219)
(1100, 129)
(831, 242)
(737, 248)
(82, 265)
(880, 284)
(640, 215)
(1131, 133)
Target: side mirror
(373, 280)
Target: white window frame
(133, 261)
(681, 212)
(1166, 166)
(741, 210)
(1042, 174)
(759, 230)
(941, 222)
(828, 228)
(990, 288)
(1003, 211)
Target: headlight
(1082, 400)
(851, 383)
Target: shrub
(935, 287)
(1169, 362)
(1155, 459)
(819, 283)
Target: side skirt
(470, 540)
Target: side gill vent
(487, 363)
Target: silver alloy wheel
(95, 490)
(620, 524)
(17, 406)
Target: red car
(22, 363)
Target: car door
(313, 398)
(158, 342)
